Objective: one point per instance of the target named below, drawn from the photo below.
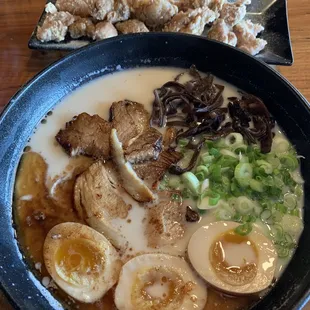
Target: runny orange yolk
(78, 258)
(234, 274)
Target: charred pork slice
(98, 201)
(130, 119)
(153, 171)
(145, 147)
(86, 135)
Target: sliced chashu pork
(165, 223)
(153, 171)
(86, 135)
(89, 135)
(98, 201)
(134, 186)
(147, 146)
(130, 119)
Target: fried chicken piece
(246, 33)
(184, 5)
(55, 27)
(120, 13)
(50, 8)
(233, 13)
(216, 5)
(131, 26)
(82, 27)
(102, 8)
(191, 21)
(154, 13)
(104, 30)
(220, 31)
(82, 8)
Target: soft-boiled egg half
(159, 281)
(232, 262)
(81, 261)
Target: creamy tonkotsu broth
(45, 185)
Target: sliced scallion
(290, 201)
(266, 216)
(243, 229)
(191, 182)
(256, 185)
(243, 173)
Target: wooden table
(18, 64)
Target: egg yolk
(234, 258)
(159, 288)
(78, 261)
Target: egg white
(163, 265)
(199, 249)
(84, 285)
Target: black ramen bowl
(44, 91)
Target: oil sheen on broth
(46, 176)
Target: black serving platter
(30, 105)
(272, 14)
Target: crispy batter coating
(233, 13)
(82, 8)
(120, 13)
(220, 31)
(191, 21)
(131, 26)
(104, 30)
(246, 32)
(82, 27)
(55, 27)
(154, 13)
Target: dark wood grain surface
(18, 64)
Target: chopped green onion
(234, 139)
(206, 204)
(256, 186)
(191, 182)
(214, 198)
(240, 149)
(280, 145)
(214, 152)
(273, 160)
(294, 212)
(224, 212)
(182, 142)
(203, 169)
(207, 159)
(244, 205)
(265, 166)
(200, 176)
(266, 216)
(204, 185)
(277, 216)
(229, 153)
(276, 231)
(290, 162)
(281, 207)
(282, 251)
(290, 201)
(250, 218)
(243, 229)
(237, 218)
(243, 173)
(215, 173)
(298, 190)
